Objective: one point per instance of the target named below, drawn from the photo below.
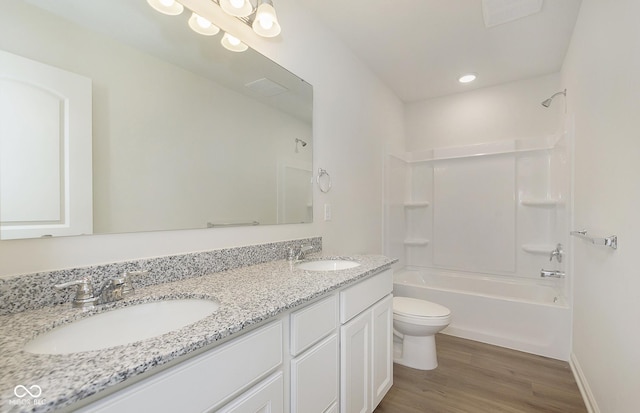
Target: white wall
(504, 112)
(603, 91)
(356, 119)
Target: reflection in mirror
(115, 118)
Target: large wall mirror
(115, 118)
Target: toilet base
(416, 352)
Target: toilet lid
(418, 308)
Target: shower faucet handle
(558, 252)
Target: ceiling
(419, 48)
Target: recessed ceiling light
(469, 77)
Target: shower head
(300, 141)
(547, 102)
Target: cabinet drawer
(204, 382)
(312, 323)
(364, 294)
(267, 396)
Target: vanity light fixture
(261, 18)
(202, 26)
(170, 7)
(232, 43)
(469, 77)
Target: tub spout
(551, 273)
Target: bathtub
(524, 315)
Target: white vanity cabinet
(366, 343)
(333, 355)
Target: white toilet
(415, 324)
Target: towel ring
(324, 184)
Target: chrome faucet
(112, 290)
(558, 252)
(300, 255)
(302, 252)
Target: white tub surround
(525, 315)
(497, 208)
(248, 296)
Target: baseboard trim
(583, 385)
(507, 342)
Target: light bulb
(266, 23)
(237, 8)
(233, 43)
(202, 22)
(202, 26)
(170, 7)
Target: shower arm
(547, 102)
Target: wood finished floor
(474, 377)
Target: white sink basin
(121, 326)
(327, 265)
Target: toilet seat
(415, 308)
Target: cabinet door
(381, 349)
(355, 342)
(314, 378)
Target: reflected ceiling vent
(266, 87)
(498, 12)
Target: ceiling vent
(498, 12)
(266, 87)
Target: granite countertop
(247, 296)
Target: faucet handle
(127, 287)
(84, 292)
(558, 252)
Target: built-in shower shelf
(416, 204)
(542, 249)
(541, 202)
(416, 241)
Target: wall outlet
(327, 212)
